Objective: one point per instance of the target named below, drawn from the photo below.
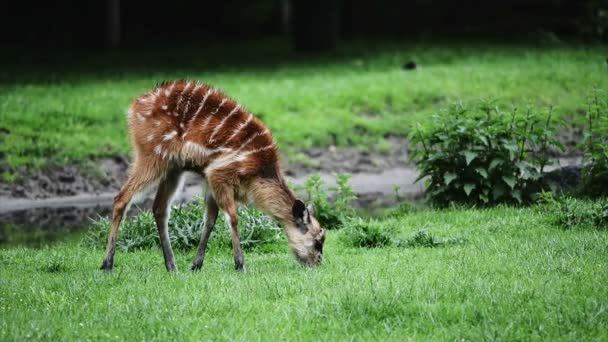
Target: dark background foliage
(312, 24)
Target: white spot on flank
(150, 137)
(156, 123)
(169, 135)
(164, 107)
(218, 127)
(158, 149)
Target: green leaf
(494, 163)
(449, 177)
(482, 172)
(517, 195)
(498, 191)
(468, 188)
(469, 156)
(510, 180)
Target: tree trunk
(113, 24)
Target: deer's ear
(300, 214)
(311, 209)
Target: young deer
(187, 126)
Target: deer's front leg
(211, 211)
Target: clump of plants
(483, 157)
(370, 233)
(257, 231)
(367, 234)
(594, 176)
(573, 213)
(332, 208)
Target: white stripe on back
(218, 127)
(181, 96)
(187, 106)
(238, 129)
(200, 107)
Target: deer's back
(192, 123)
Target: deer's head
(305, 235)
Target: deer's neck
(275, 199)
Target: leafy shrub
(572, 213)
(330, 214)
(367, 234)
(483, 157)
(257, 231)
(594, 176)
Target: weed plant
(331, 214)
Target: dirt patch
(108, 175)
(111, 173)
(69, 180)
(351, 160)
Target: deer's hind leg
(162, 209)
(141, 177)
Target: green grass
(67, 107)
(517, 277)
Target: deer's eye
(318, 245)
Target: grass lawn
(517, 277)
(66, 107)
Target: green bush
(483, 157)
(572, 213)
(331, 214)
(594, 176)
(257, 231)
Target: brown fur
(186, 126)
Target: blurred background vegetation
(318, 72)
